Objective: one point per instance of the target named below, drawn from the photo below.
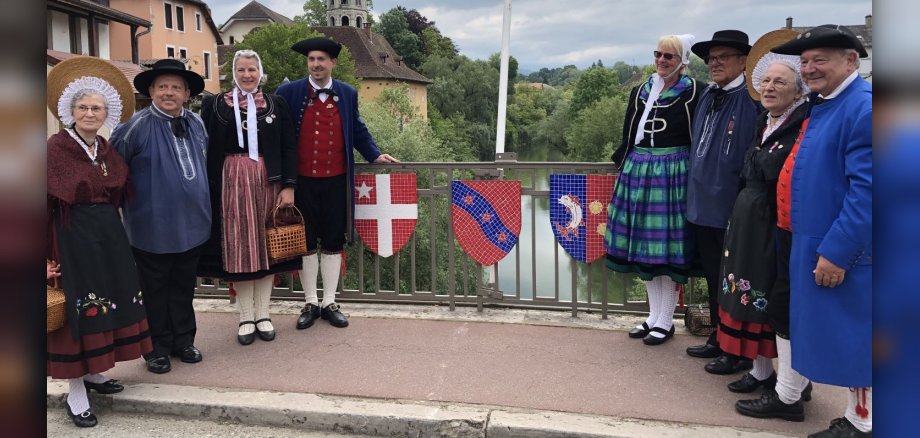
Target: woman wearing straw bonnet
(106, 321)
(754, 302)
(647, 223)
(252, 168)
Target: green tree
(273, 44)
(624, 71)
(594, 132)
(592, 86)
(395, 28)
(698, 69)
(496, 62)
(392, 121)
(314, 13)
(435, 44)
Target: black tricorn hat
(825, 35)
(322, 44)
(727, 38)
(168, 66)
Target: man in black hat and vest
(168, 217)
(722, 132)
(830, 266)
(328, 129)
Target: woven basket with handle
(285, 242)
(56, 313)
(696, 319)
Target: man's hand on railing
(386, 158)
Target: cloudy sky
(553, 33)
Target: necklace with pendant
(91, 152)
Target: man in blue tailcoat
(831, 211)
(328, 129)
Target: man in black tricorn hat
(328, 129)
(168, 217)
(722, 132)
(830, 265)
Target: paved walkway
(533, 360)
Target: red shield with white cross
(386, 210)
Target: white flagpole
(503, 80)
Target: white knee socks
(244, 292)
(859, 410)
(331, 267)
(763, 368)
(654, 303)
(662, 287)
(95, 378)
(308, 278)
(262, 294)
(789, 383)
(76, 396)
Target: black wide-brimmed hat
(168, 66)
(726, 38)
(825, 35)
(322, 44)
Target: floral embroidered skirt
(647, 219)
(106, 318)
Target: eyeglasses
(667, 56)
(778, 84)
(721, 59)
(94, 109)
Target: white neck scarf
(252, 128)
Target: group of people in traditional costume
(761, 184)
(196, 194)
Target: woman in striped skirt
(646, 224)
(252, 167)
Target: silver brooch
(335, 98)
(269, 119)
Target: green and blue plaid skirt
(647, 219)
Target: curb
(374, 417)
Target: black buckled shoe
(246, 339)
(705, 351)
(308, 315)
(333, 314)
(189, 354)
(158, 365)
(267, 335)
(83, 419)
(747, 383)
(654, 340)
(637, 332)
(726, 364)
(770, 406)
(110, 386)
(841, 428)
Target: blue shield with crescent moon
(578, 213)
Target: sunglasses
(667, 56)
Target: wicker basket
(285, 242)
(56, 313)
(696, 319)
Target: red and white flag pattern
(386, 210)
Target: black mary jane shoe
(333, 314)
(637, 332)
(246, 339)
(654, 340)
(268, 335)
(110, 386)
(748, 383)
(84, 419)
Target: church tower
(351, 13)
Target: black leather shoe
(726, 364)
(333, 314)
(308, 315)
(268, 335)
(637, 332)
(841, 428)
(770, 406)
(806, 393)
(158, 365)
(747, 383)
(654, 340)
(188, 354)
(705, 351)
(84, 419)
(108, 387)
(246, 339)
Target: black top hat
(727, 38)
(825, 35)
(169, 66)
(322, 44)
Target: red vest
(321, 144)
(784, 185)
